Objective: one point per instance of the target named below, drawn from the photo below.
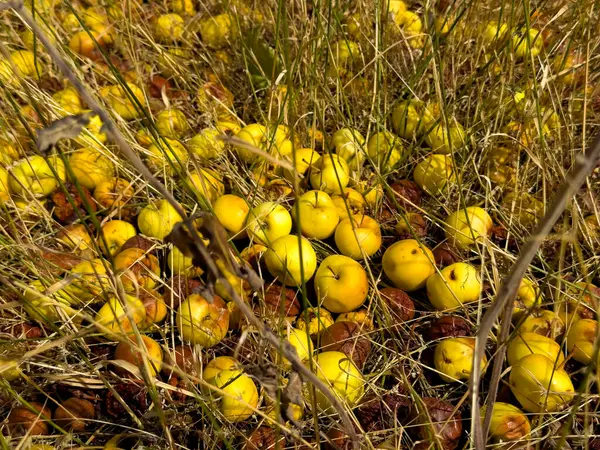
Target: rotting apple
(202, 322)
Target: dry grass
(470, 82)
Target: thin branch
(585, 164)
(113, 132)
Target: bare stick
(113, 132)
(585, 164)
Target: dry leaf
(66, 128)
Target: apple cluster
(391, 234)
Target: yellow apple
(167, 156)
(121, 101)
(349, 202)
(114, 234)
(314, 320)
(202, 322)
(240, 396)
(217, 365)
(135, 354)
(158, 219)
(358, 237)
(525, 208)
(91, 280)
(232, 211)
(453, 286)
(453, 358)
(435, 173)
(465, 227)
(300, 340)
(360, 316)
(408, 264)
(68, 100)
(217, 31)
(267, 222)
(341, 284)
(385, 150)
(4, 186)
(581, 338)
(446, 140)
(411, 118)
(172, 123)
(137, 269)
(35, 176)
(283, 260)
(90, 167)
(316, 214)
(256, 135)
(206, 145)
(528, 296)
(116, 316)
(544, 322)
(527, 42)
(494, 32)
(330, 173)
(77, 238)
(54, 307)
(525, 344)
(349, 145)
(169, 28)
(182, 265)
(303, 159)
(338, 371)
(508, 424)
(114, 193)
(540, 385)
(206, 184)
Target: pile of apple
(341, 241)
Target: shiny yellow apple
(408, 264)
(524, 344)
(330, 173)
(411, 118)
(172, 123)
(314, 320)
(581, 338)
(117, 317)
(167, 156)
(300, 340)
(540, 385)
(158, 219)
(453, 358)
(453, 286)
(435, 173)
(291, 259)
(267, 222)
(341, 284)
(36, 176)
(240, 396)
(206, 184)
(316, 215)
(349, 145)
(303, 159)
(206, 145)
(446, 140)
(232, 210)
(338, 371)
(349, 202)
(385, 150)
(358, 237)
(114, 234)
(465, 227)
